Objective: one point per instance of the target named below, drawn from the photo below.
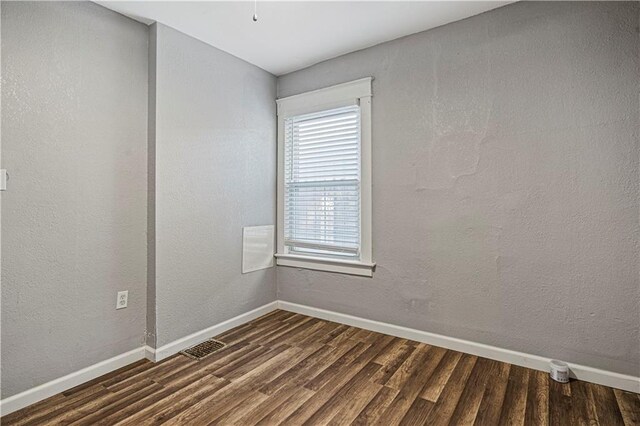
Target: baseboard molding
(38, 393)
(536, 362)
(176, 346)
(149, 353)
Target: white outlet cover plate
(258, 243)
(122, 299)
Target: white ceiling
(292, 35)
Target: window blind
(322, 183)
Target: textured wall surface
(505, 182)
(215, 172)
(74, 123)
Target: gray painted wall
(505, 182)
(74, 122)
(215, 153)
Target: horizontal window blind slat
(346, 221)
(319, 204)
(320, 201)
(313, 192)
(324, 149)
(338, 184)
(350, 221)
(347, 165)
(325, 137)
(335, 120)
(327, 142)
(338, 229)
(325, 215)
(320, 132)
(320, 195)
(324, 129)
(350, 140)
(320, 242)
(315, 201)
(329, 236)
(333, 168)
(309, 120)
(350, 157)
(334, 198)
(327, 156)
(328, 176)
(325, 246)
(306, 141)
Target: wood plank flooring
(291, 369)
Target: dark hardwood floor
(286, 368)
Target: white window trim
(351, 93)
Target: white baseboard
(38, 393)
(149, 353)
(176, 346)
(536, 362)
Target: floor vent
(204, 349)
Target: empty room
(320, 213)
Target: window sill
(362, 269)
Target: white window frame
(341, 95)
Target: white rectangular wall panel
(257, 247)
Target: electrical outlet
(121, 301)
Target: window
(324, 179)
(322, 183)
